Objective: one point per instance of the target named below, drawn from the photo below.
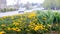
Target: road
(8, 13)
(17, 12)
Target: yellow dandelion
(16, 24)
(36, 28)
(31, 15)
(3, 25)
(2, 32)
(13, 28)
(16, 29)
(8, 28)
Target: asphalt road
(8, 13)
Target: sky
(12, 2)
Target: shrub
(39, 22)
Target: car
(21, 10)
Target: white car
(21, 10)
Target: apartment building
(2, 4)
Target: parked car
(21, 10)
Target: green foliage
(7, 9)
(45, 17)
(51, 4)
(38, 22)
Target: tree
(51, 4)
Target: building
(2, 4)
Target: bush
(7, 9)
(39, 22)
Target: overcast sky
(11, 2)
